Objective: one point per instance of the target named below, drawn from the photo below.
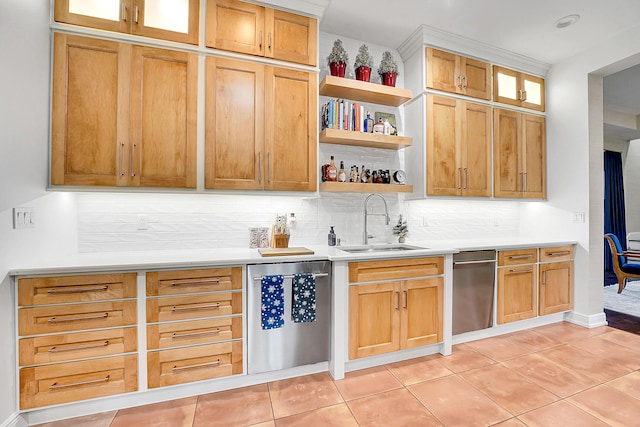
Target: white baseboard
(15, 420)
(587, 320)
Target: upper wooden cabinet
(261, 127)
(122, 115)
(519, 155)
(256, 30)
(458, 74)
(174, 20)
(516, 88)
(458, 147)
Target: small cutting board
(284, 251)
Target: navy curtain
(614, 214)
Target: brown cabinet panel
(193, 306)
(75, 317)
(79, 345)
(395, 269)
(166, 335)
(421, 321)
(162, 283)
(556, 253)
(519, 89)
(177, 366)
(72, 381)
(517, 293)
(69, 289)
(556, 287)
(453, 73)
(517, 257)
(295, 37)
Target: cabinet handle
(459, 78)
(121, 155)
(466, 179)
(561, 253)
(464, 82)
(406, 299)
(195, 334)
(75, 319)
(524, 95)
(77, 290)
(215, 364)
(196, 307)
(56, 386)
(133, 160)
(196, 283)
(123, 12)
(459, 186)
(136, 12)
(269, 42)
(519, 256)
(260, 42)
(526, 182)
(260, 167)
(397, 300)
(78, 347)
(521, 270)
(269, 167)
(544, 278)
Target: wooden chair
(624, 270)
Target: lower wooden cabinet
(534, 282)
(396, 314)
(46, 385)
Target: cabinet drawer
(395, 269)
(79, 345)
(193, 306)
(166, 335)
(189, 281)
(66, 289)
(518, 256)
(202, 362)
(72, 381)
(558, 253)
(76, 317)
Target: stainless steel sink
(380, 248)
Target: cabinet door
(534, 156)
(508, 176)
(533, 92)
(234, 126)
(374, 319)
(506, 86)
(291, 37)
(422, 315)
(442, 71)
(476, 78)
(112, 15)
(175, 20)
(90, 107)
(444, 175)
(163, 118)
(291, 129)
(236, 26)
(556, 287)
(476, 149)
(517, 293)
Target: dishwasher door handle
(480, 261)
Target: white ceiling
(525, 27)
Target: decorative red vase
(337, 68)
(363, 73)
(389, 79)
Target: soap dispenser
(331, 238)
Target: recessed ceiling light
(565, 21)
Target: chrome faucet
(367, 236)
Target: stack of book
(345, 115)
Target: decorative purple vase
(363, 73)
(338, 68)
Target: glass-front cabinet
(519, 89)
(175, 20)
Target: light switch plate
(23, 218)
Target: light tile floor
(554, 375)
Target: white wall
(632, 185)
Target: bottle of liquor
(355, 176)
(332, 171)
(363, 174)
(342, 174)
(368, 123)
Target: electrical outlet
(143, 222)
(425, 221)
(578, 217)
(23, 218)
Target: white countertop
(204, 258)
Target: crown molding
(429, 36)
(313, 8)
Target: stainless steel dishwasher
(293, 344)
(473, 285)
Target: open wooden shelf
(341, 87)
(362, 139)
(359, 187)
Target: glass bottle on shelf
(332, 172)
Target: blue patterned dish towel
(304, 298)
(272, 302)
